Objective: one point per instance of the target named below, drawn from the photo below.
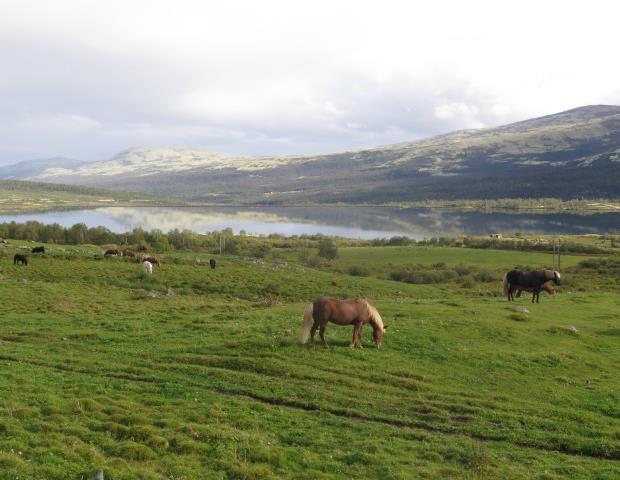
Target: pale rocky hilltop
(571, 154)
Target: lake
(355, 222)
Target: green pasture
(381, 258)
(194, 373)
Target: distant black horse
(19, 258)
(40, 249)
(212, 263)
(534, 280)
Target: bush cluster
(441, 273)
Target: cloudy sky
(85, 79)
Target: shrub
(358, 271)
(314, 261)
(483, 276)
(328, 249)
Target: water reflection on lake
(358, 222)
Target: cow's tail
(306, 325)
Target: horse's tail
(506, 284)
(306, 325)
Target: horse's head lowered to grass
(356, 312)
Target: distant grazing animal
(40, 249)
(113, 252)
(128, 253)
(142, 248)
(149, 258)
(19, 258)
(547, 287)
(525, 280)
(357, 312)
(212, 263)
(148, 266)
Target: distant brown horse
(128, 253)
(149, 258)
(357, 312)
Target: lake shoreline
(586, 208)
(346, 221)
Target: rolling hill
(25, 196)
(572, 154)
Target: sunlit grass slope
(195, 373)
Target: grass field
(195, 373)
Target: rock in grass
(520, 309)
(568, 329)
(521, 313)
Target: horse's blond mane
(373, 313)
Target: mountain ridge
(573, 154)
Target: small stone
(520, 309)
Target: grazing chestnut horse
(355, 312)
(19, 258)
(149, 258)
(534, 280)
(547, 287)
(128, 253)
